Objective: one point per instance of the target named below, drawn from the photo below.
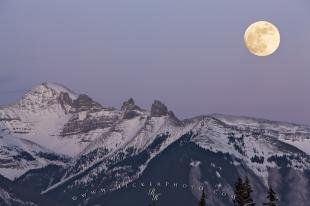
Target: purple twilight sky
(187, 53)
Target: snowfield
(51, 119)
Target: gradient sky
(189, 54)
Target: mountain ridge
(95, 145)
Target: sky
(189, 54)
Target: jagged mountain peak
(129, 102)
(53, 93)
(130, 109)
(84, 103)
(60, 88)
(158, 109)
(46, 95)
(130, 105)
(52, 87)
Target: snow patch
(303, 145)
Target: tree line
(243, 197)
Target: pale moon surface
(262, 38)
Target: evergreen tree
(248, 201)
(271, 197)
(243, 192)
(202, 201)
(238, 201)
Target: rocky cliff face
(158, 109)
(87, 146)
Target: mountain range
(62, 148)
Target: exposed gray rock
(130, 109)
(176, 120)
(128, 104)
(91, 121)
(158, 109)
(85, 103)
(64, 100)
(77, 126)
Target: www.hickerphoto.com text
(148, 186)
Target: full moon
(262, 38)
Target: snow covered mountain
(18, 156)
(54, 117)
(65, 146)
